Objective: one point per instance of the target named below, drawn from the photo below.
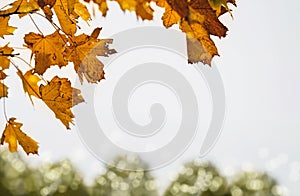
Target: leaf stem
(35, 25)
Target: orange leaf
(5, 29)
(4, 53)
(30, 86)
(59, 96)
(3, 90)
(48, 50)
(83, 52)
(21, 7)
(13, 135)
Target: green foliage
(129, 178)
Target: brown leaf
(2, 75)
(48, 50)
(59, 96)
(200, 47)
(199, 20)
(14, 135)
(83, 52)
(43, 3)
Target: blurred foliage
(127, 177)
(202, 178)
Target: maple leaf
(21, 7)
(83, 52)
(48, 50)
(2, 75)
(67, 11)
(4, 56)
(5, 29)
(102, 5)
(13, 135)
(170, 16)
(142, 8)
(46, 6)
(199, 20)
(3, 90)
(30, 83)
(220, 5)
(63, 13)
(59, 96)
(82, 11)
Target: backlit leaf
(5, 29)
(30, 83)
(21, 7)
(59, 96)
(4, 56)
(83, 52)
(3, 90)
(47, 50)
(13, 135)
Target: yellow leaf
(83, 52)
(170, 16)
(48, 50)
(4, 28)
(63, 10)
(59, 96)
(82, 11)
(3, 90)
(4, 53)
(21, 7)
(13, 135)
(141, 7)
(30, 83)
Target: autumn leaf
(199, 20)
(59, 96)
(3, 90)
(48, 50)
(4, 56)
(5, 29)
(170, 16)
(2, 75)
(83, 52)
(13, 135)
(30, 83)
(67, 11)
(102, 5)
(142, 8)
(81, 10)
(219, 5)
(21, 7)
(63, 12)
(46, 6)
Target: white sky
(260, 69)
